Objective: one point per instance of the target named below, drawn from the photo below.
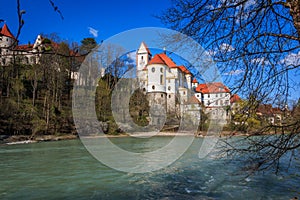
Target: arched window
(153, 87)
(153, 69)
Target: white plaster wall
(216, 99)
(155, 76)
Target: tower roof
(6, 32)
(144, 46)
(194, 80)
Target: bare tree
(259, 40)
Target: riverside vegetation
(36, 99)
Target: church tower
(143, 56)
(7, 43)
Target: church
(163, 81)
(175, 87)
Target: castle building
(10, 50)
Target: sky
(90, 18)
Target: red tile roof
(216, 87)
(194, 80)
(267, 109)
(163, 59)
(6, 32)
(184, 69)
(24, 47)
(234, 98)
(157, 60)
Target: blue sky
(82, 18)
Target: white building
(215, 97)
(163, 81)
(10, 51)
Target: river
(66, 170)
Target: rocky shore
(25, 139)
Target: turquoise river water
(65, 170)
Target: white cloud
(132, 55)
(210, 52)
(292, 59)
(93, 32)
(224, 47)
(234, 72)
(130, 58)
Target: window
(170, 70)
(161, 95)
(197, 95)
(183, 92)
(221, 95)
(153, 69)
(217, 102)
(208, 102)
(169, 80)
(161, 70)
(216, 95)
(221, 102)
(153, 87)
(142, 57)
(169, 87)
(169, 96)
(144, 89)
(161, 79)
(208, 95)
